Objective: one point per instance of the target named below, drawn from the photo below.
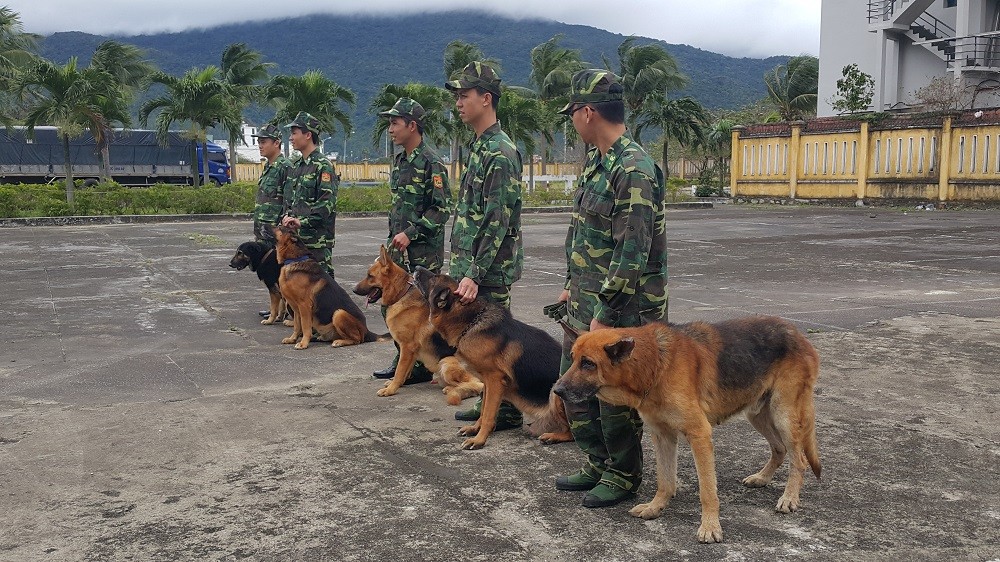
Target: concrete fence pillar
(735, 163)
(864, 139)
(793, 158)
(944, 148)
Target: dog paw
(468, 430)
(472, 444)
(267, 321)
(647, 510)
(787, 504)
(710, 531)
(341, 343)
(292, 339)
(289, 323)
(302, 345)
(756, 481)
(389, 390)
(553, 438)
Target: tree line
(104, 96)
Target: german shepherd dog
(317, 301)
(683, 379)
(263, 260)
(408, 319)
(515, 362)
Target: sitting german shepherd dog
(317, 301)
(263, 260)
(683, 379)
(409, 323)
(516, 362)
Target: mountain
(365, 52)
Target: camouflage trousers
(324, 256)
(611, 436)
(499, 295)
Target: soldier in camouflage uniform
(616, 275)
(270, 202)
(420, 205)
(486, 250)
(310, 192)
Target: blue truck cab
(219, 170)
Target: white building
(904, 44)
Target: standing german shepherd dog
(409, 323)
(263, 260)
(683, 379)
(516, 362)
(317, 301)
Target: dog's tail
(372, 336)
(552, 426)
(811, 449)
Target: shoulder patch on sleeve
(326, 176)
(438, 181)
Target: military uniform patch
(438, 181)
(325, 176)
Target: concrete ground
(145, 414)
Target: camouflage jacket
(270, 202)
(310, 193)
(420, 205)
(486, 237)
(616, 248)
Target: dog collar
(298, 259)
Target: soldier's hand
(400, 241)
(563, 296)
(291, 222)
(467, 290)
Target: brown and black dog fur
(262, 260)
(317, 301)
(683, 379)
(407, 316)
(515, 362)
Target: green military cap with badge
(269, 131)
(475, 75)
(305, 122)
(592, 85)
(406, 107)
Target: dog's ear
(620, 350)
(571, 332)
(383, 255)
(443, 298)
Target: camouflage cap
(406, 107)
(475, 75)
(306, 122)
(269, 131)
(592, 86)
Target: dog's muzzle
(573, 392)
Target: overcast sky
(755, 28)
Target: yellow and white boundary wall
(955, 157)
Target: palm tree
(66, 97)
(435, 101)
(243, 69)
(681, 119)
(793, 87)
(128, 71)
(199, 97)
(313, 93)
(522, 117)
(552, 69)
(17, 54)
(645, 70)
